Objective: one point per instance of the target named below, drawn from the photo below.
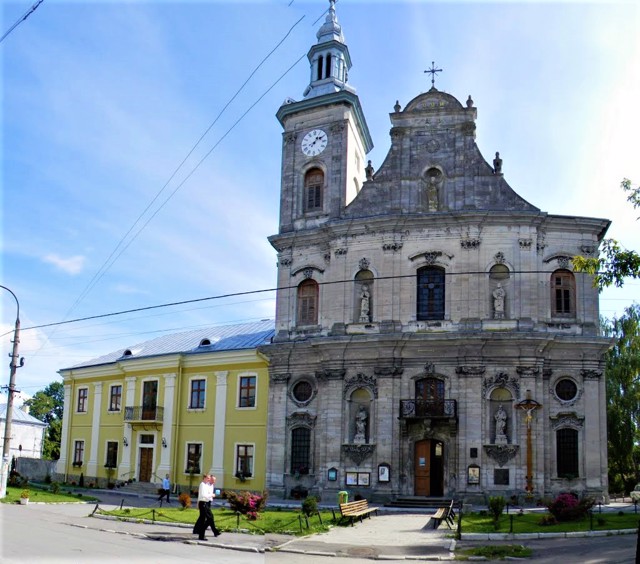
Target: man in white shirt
(206, 493)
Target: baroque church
(431, 337)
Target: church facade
(431, 336)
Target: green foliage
(623, 399)
(48, 406)
(615, 263)
(55, 487)
(498, 552)
(496, 507)
(567, 507)
(310, 506)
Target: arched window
(313, 187)
(567, 453)
(328, 66)
(320, 60)
(363, 299)
(430, 293)
(308, 303)
(563, 294)
(300, 450)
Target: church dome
(434, 99)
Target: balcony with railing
(428, 409)
(141, 414)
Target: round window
(566, 389)
(302, 391)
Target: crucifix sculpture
(433, 70)
(529, 405)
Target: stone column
(96, 404)
(219, 428)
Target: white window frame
(235, 458)
(84, 452)
(185, 466)
(86, 403)
(206, 389)
(255, 402)
(111, 386)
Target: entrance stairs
(419, 502)
(140, 488)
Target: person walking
(166, 488)
(206, 493)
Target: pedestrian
(166, 488)
(206, 493)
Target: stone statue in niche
(501, 426)
(365, 304)
(361, 426)
(369, 171)
(499, 295)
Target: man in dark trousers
(206, 494)
(165, 490)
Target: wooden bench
(447, 514)
(356, 509)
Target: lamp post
(6, 446)
(529, 405)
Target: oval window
(302, 391)
(566, 389)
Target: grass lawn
(495, 552)
(530, 523)
(270, 521)
(38, 495)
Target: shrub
(55, 487)
(184, 499)
(310, 506)
(567, 507)
(496, 507)
(247, 503)
(47, 479)
(25, 494)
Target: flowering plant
(25, 494)
(567, 507)
(247, 503)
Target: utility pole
(13, 365)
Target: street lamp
(6, 445)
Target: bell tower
(325, 138)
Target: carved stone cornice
(330, 374)
(501, 379)
(301, 419)
(470, 243)
(358, 453)
(591, 374)
(388, 371)
(468, 370)
(281, 378)
(501, 453)
(528, 370)
(567, 420)
(360, 381)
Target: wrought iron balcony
(144, 414)
(428, 409)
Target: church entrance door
(428, 464)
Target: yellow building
(181, 404)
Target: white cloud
(71, 265)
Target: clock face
(314, 142)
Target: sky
(102, 102)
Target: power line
(262, 291)
(24, 17)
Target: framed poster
(363, 478)
(352, 479)
(384, 473)
(473, 474)
(332, 474)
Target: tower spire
(329, 58)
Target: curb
(542, 536)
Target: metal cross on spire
(433, 70)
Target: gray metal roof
(222, 338)
(20, 416)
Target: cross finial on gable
(433, 70)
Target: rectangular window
(431, 293)
(194, 454)
(78, 453)
(567, 453)
(300, 450)
(244, 461)
(197, 394)
(83, 396)
(247, 391)
(112, 454)
(115, 398)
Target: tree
(623, 399)
(48, 406)
(615, 263)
